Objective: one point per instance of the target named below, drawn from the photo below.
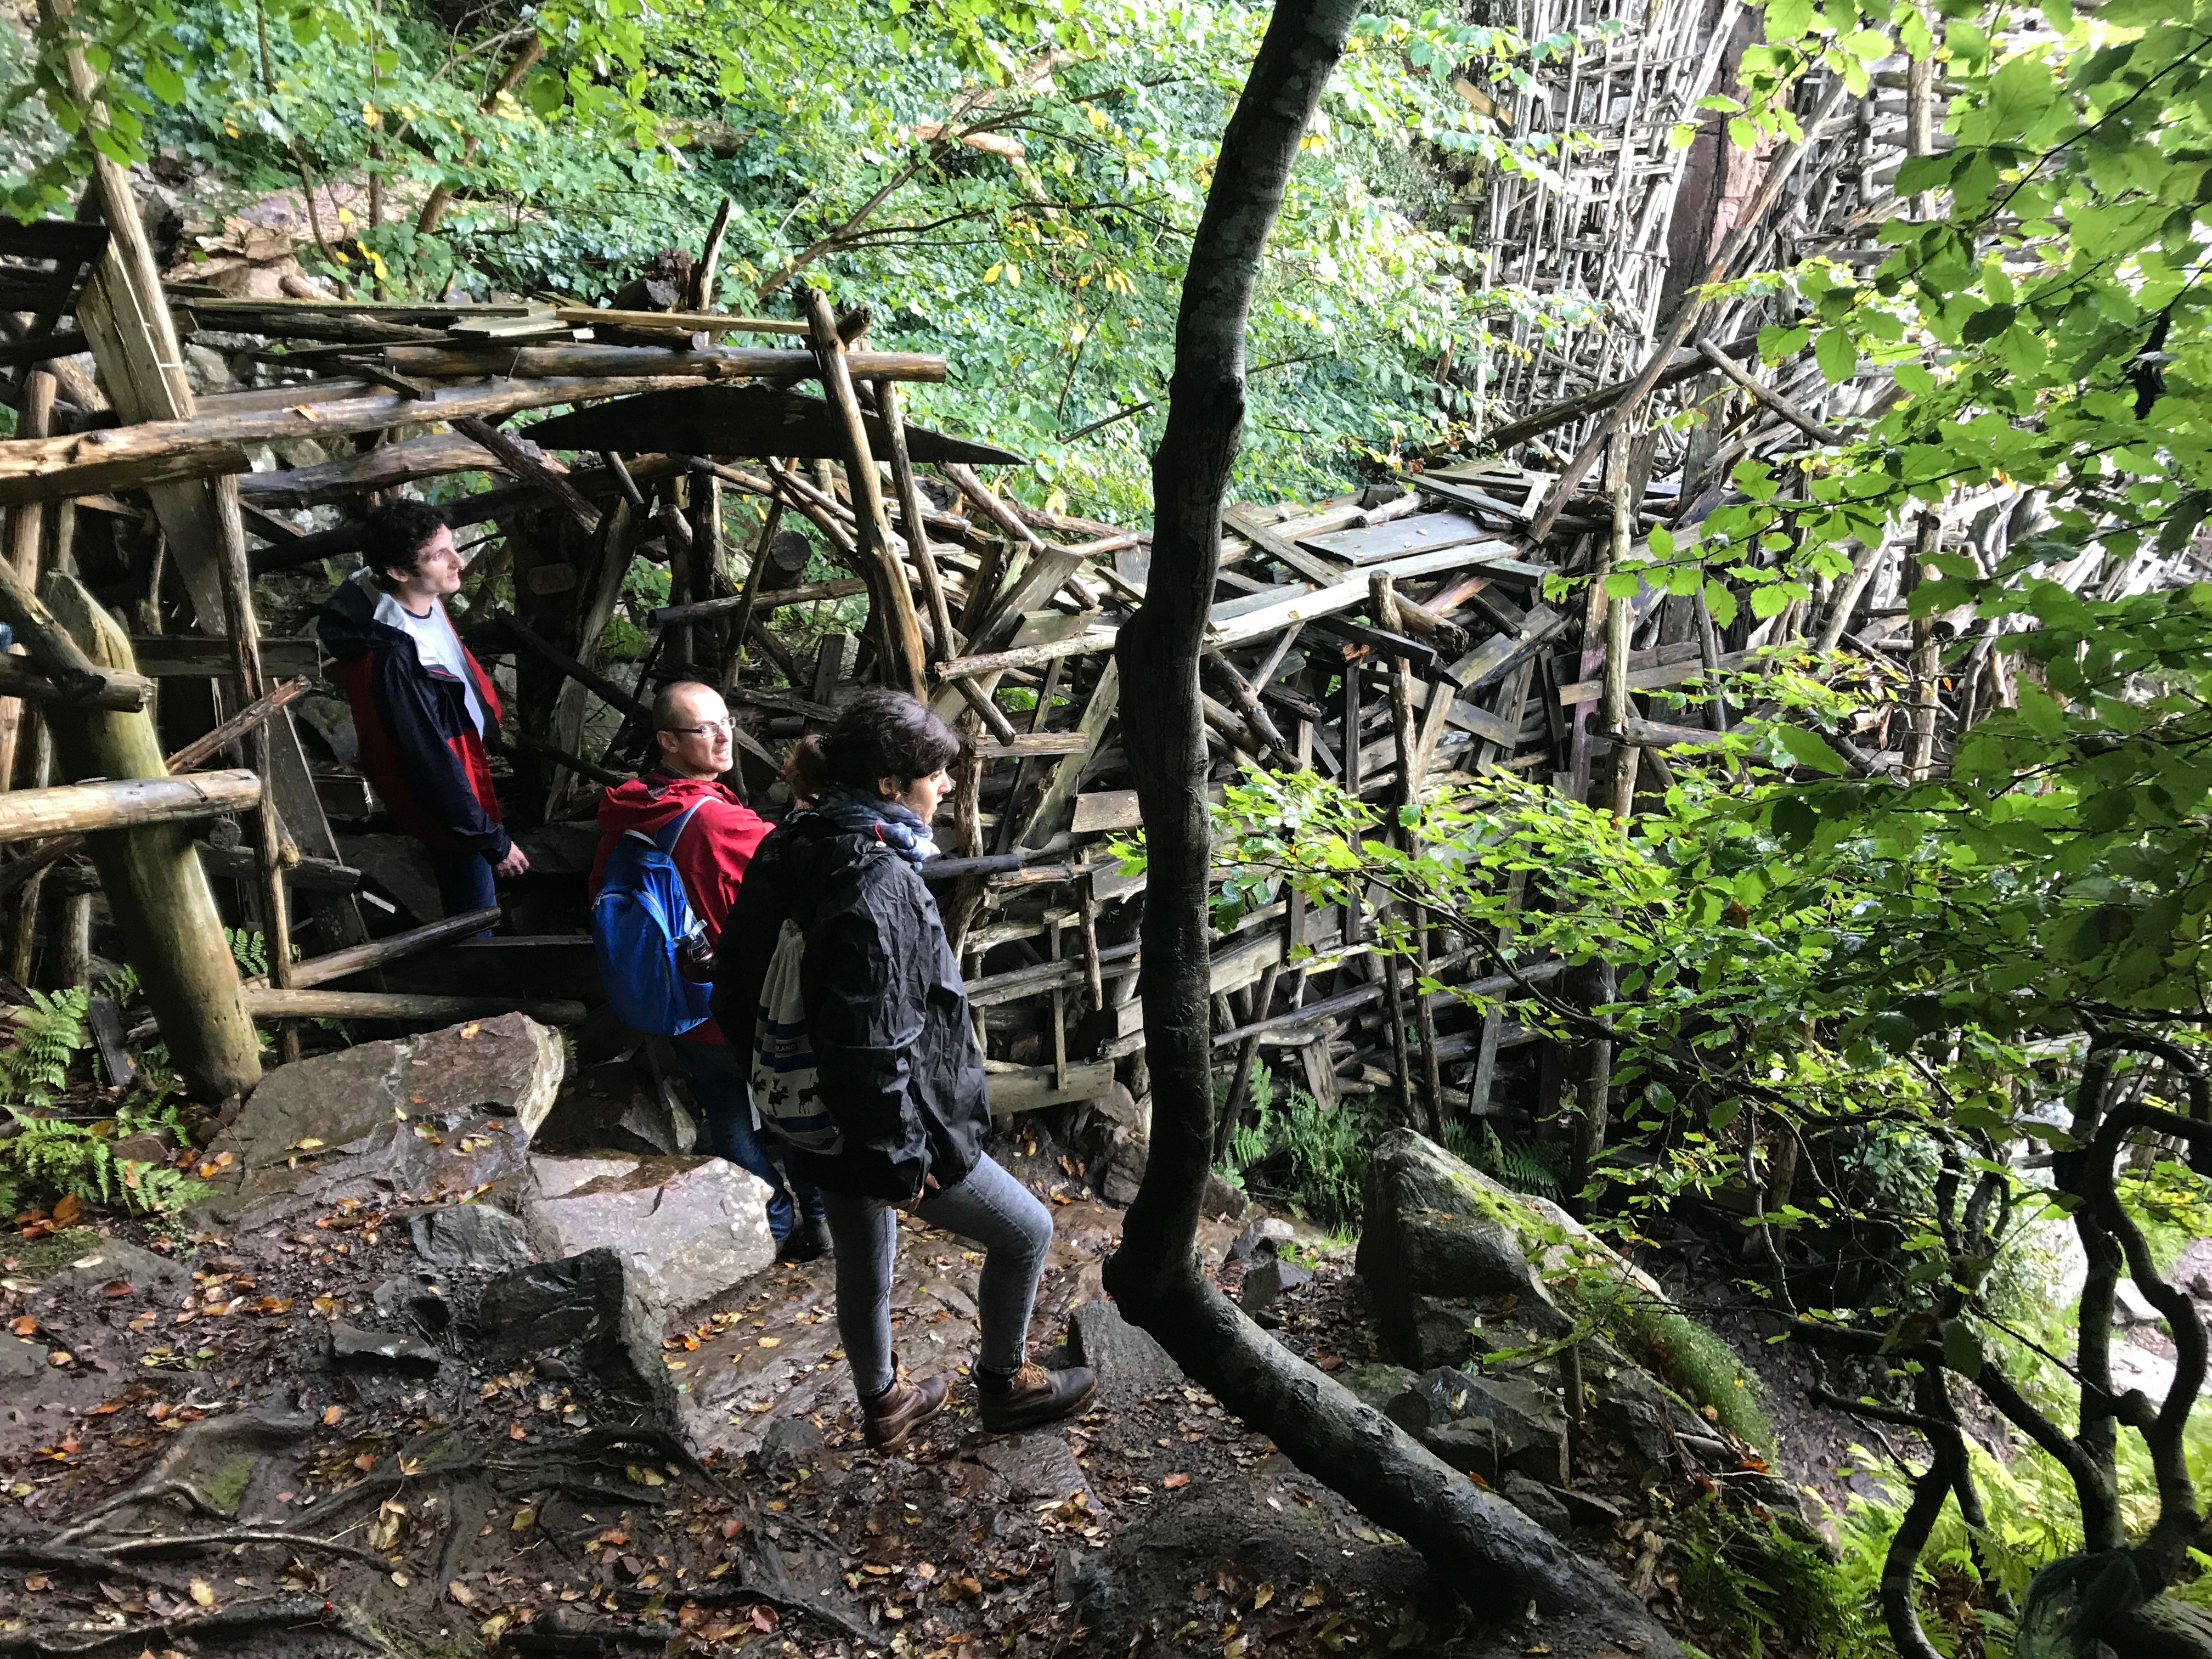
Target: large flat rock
(686, 1229)
(420, 1120)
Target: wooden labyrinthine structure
(1394, 640)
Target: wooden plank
(385, 467)
(1031, 744)
(1688, 666)
(1278, 546)
(1416, 532)
(186, 656)
(1053, 805)
(1034, 1087)
(1106, 809)
(1346, 595)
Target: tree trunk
(172, 931)
(1470, 1536)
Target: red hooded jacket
(711, 854)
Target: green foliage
(34, 1067)
(1753, 1581)
(249, 949)
(1695, 1364)
(1326, 1149)
(1525, 1166)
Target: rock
(21, 1358)
(1435, 1229)
(1445, 1247)
(1264, 1236)
(1586, 1509)
(413, 1120)
(418, 1297)
(618, 1107)
(471, 1237)
(953, 1297)
(1538, 1502)
(1220, 1198)
(1129, 1363)
(1377, 1385)
(1525, 1430)
(351, 1344)
(218, 1459)
(1265, 1284)
(2131, 1307)
(788, 1442)
(1123, 1169)
(94, 1260)
(1082, 1582)
(684, 1228)
(574, 1302)
(1645, 1416)
(1036, 1465)
(1470, 1445)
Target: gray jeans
(989, 1208)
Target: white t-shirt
(435, 642)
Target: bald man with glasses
(693, 730)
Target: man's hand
(514, 863)
(928, 1186)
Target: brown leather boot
(1032, 1395)
(892, 1415)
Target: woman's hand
(921, 1193)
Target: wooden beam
(397, 947)
(125, 803)
(530, 468)
(266, 1003)
(890, 599)
(123, 693)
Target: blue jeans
(720, 1085)
(989, 1208)
(464, 882)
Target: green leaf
(1962, 1349)
(1809, 748)
(1838, 353)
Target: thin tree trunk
(1473, 1537)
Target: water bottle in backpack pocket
(786, 1080)
(639, 921)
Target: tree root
(66, 1639)
(784, 1602)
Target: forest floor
(191, 1468)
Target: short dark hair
(394, 535)
(664, 701)
(881, 733)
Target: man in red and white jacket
(693, 729)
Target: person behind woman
(898, 1066)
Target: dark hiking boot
(895, 1413)
(1033, 1395)
(807, 1241)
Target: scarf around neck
(896, 827)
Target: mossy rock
(40, 1259)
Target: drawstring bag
(786, 1083)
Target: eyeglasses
(723, 728)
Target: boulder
(1484, 1424)
(1447, 1251)
(19, 1359)
(418, 1119)
(1128, 1363)
(618, 1107)
(789, 1441)
(1538, 1502)
(418, 1299)
(686, 1229)
(1377, 1385)
(471, 1238)
(1264, 1236)
(1265, 1286)
(573, 1303)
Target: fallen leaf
(515, 1431)
(23, 1324)
(66, 1212)
(37, 1580)
(461, 1593)
(1262, 1595)
(332, 1416)
(116, 1288)
(1175, 1482)
(764, 1617)
(732, 1527)
(771, 1341)
(523, 1519)
(60, 1357)
(203, 1593)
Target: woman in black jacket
(900, 1076)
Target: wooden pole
(1382, 594)
(1927, 655)
(105, 804)
(914, 519)
(156, 890)
(741, 618)
(383, 952)
(27, 525)
(891, 603)
(272, 1004)
(1620, 794)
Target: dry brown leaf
(1175, 1482)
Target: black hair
(394, 535)
(880, 734)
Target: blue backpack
(639, 918)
